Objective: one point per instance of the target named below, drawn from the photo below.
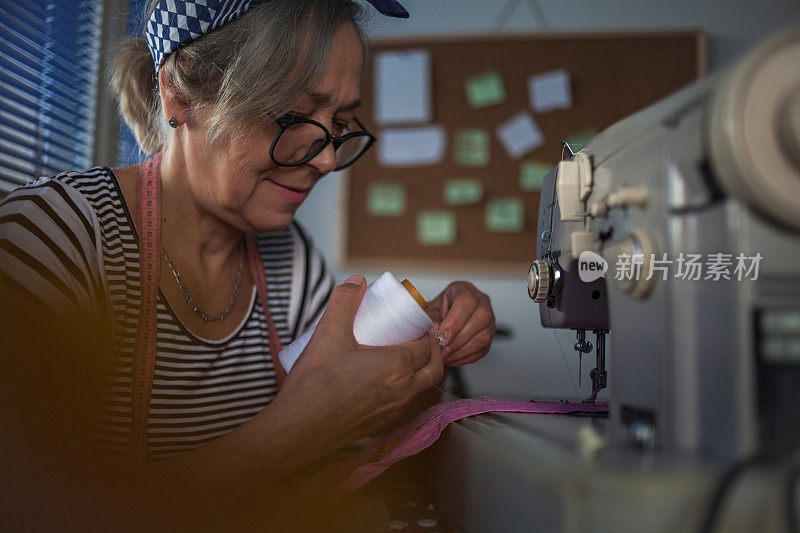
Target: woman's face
(239, 184)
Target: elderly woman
(194, 262)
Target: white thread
(387, 315)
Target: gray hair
(242, 73)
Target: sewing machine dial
(640, 248)
(539, 281)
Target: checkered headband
(174, 23)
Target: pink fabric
(422, 432)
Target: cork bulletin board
(611, 76)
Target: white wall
(531, 363)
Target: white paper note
(520, 134)
(549, 91)
(403, 87)
(412, 147)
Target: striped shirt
(70, 242)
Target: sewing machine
(676, 232)
(706, 357)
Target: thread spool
(390, 313)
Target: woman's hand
(465, 323)
(337, 392)
(342, 390)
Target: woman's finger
(461, 308)
(469, 359)
(432, 373)
(341, 310)
(335, 328)
(478, 344)
(415, 354)
(437, 309)
(481, 318)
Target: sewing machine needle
(580, 361)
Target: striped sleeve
(317, 285)
(51, 248)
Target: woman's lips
(293, 195)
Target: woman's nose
(325, 161)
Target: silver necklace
(206, 317)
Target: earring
(173, 122)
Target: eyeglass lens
(350, 150)
(302, 141)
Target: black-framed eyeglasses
(300, 139)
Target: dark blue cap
(390, 8)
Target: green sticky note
(436, 228)
(531, 175)
(505, 215)
(386, 199)
(485, 89)
(463, 191)
(577, 141)
(472, 147)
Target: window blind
(49, 55)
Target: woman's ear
(174, 107)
